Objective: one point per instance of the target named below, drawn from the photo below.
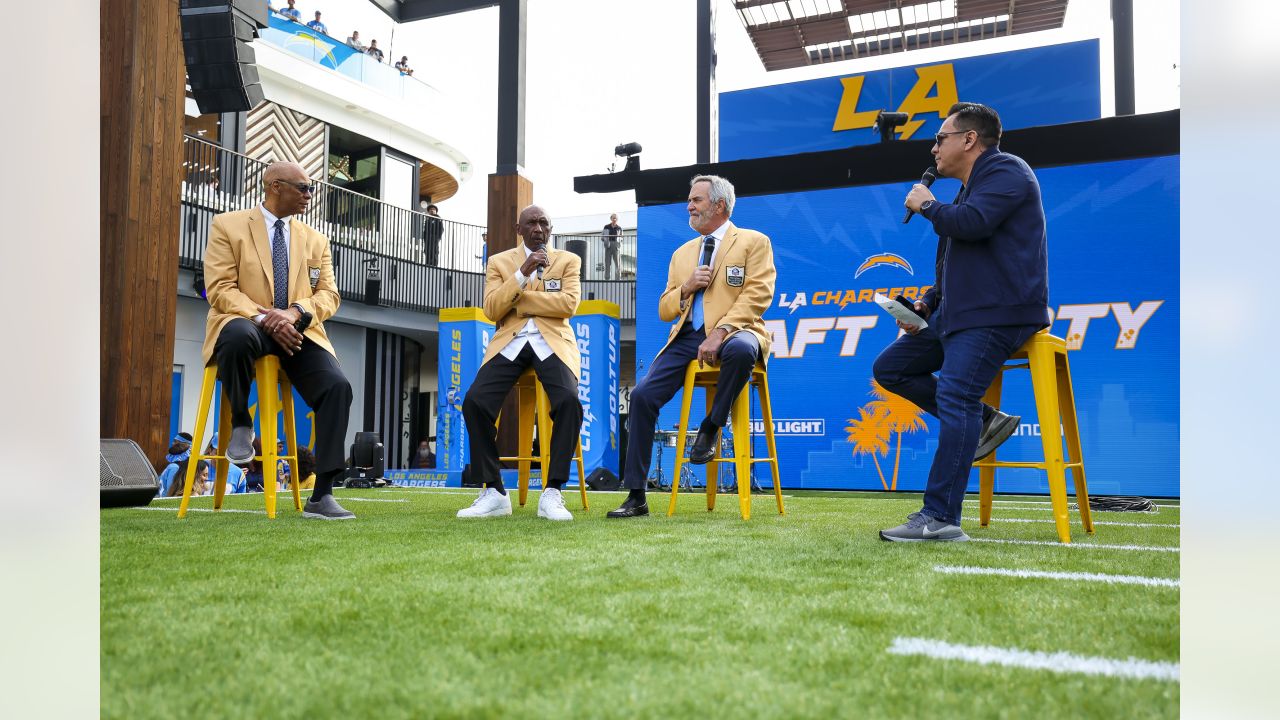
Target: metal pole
(1122, 46)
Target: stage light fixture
(888, 122)
(631, 151)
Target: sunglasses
(304, 188)
(937, 139)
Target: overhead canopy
(794, 33)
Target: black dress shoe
(630, 508)
(704, 447)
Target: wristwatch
(304, 322)
(926, 205)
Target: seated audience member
(253, 471)
(423, 458)
(317, 25)
(306, 468)
(291, 12)
(201, 486)
(179, 450)
(373, 51)
(355, 43)
(235, 476)
(403, 65)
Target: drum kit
(726, 478)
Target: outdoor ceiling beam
(411, 10)
(390, 7)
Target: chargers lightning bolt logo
(883, 260)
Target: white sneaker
(551, 505)
(490, 503)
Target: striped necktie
(280, 266)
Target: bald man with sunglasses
(269, 281)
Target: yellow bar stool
(535, 410)
(1046, 357)
(696, 375)
(274, 391)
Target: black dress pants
(313, 370)
(484, 400)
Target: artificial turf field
(407, 612)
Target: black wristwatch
(304, 322)
(926, 205)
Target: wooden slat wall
(143, 90)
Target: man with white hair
(718, 286)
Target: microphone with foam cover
(926, 180)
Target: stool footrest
(1032, 465)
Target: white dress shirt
(529, 333)
(271, 231)
(718, 234)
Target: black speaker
(367, 462)
(220, 62)
(579, 248)
(603, 479)
(126, 478)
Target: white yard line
(1095, 522)
(196, 509)
(1083, 576)
(1059, 662)
(1151, 548)
(349, 498)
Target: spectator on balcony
(292, 13)
(403, 65)
(317, 25)
(354, 41)
(432, 231)
(373, 51)
(611, 234)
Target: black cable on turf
(1119, 503)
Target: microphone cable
(1119, 503)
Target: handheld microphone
(708, 247)
(926, 180)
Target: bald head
(288, 189)
(534, 227)
(289, 171)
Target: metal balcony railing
(423, 263)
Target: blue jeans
(966, 362)
(665, 378)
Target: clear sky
(604, 72)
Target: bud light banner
(1113, 291)
(464, 335)
(598, 330)
(1037, 86)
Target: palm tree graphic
(899, 415)
(870, 436)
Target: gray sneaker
(921, 528)
(240, 445)
(326, 508)
(996, 430)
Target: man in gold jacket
(530, 292)
(269, 281)
(718, 286)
